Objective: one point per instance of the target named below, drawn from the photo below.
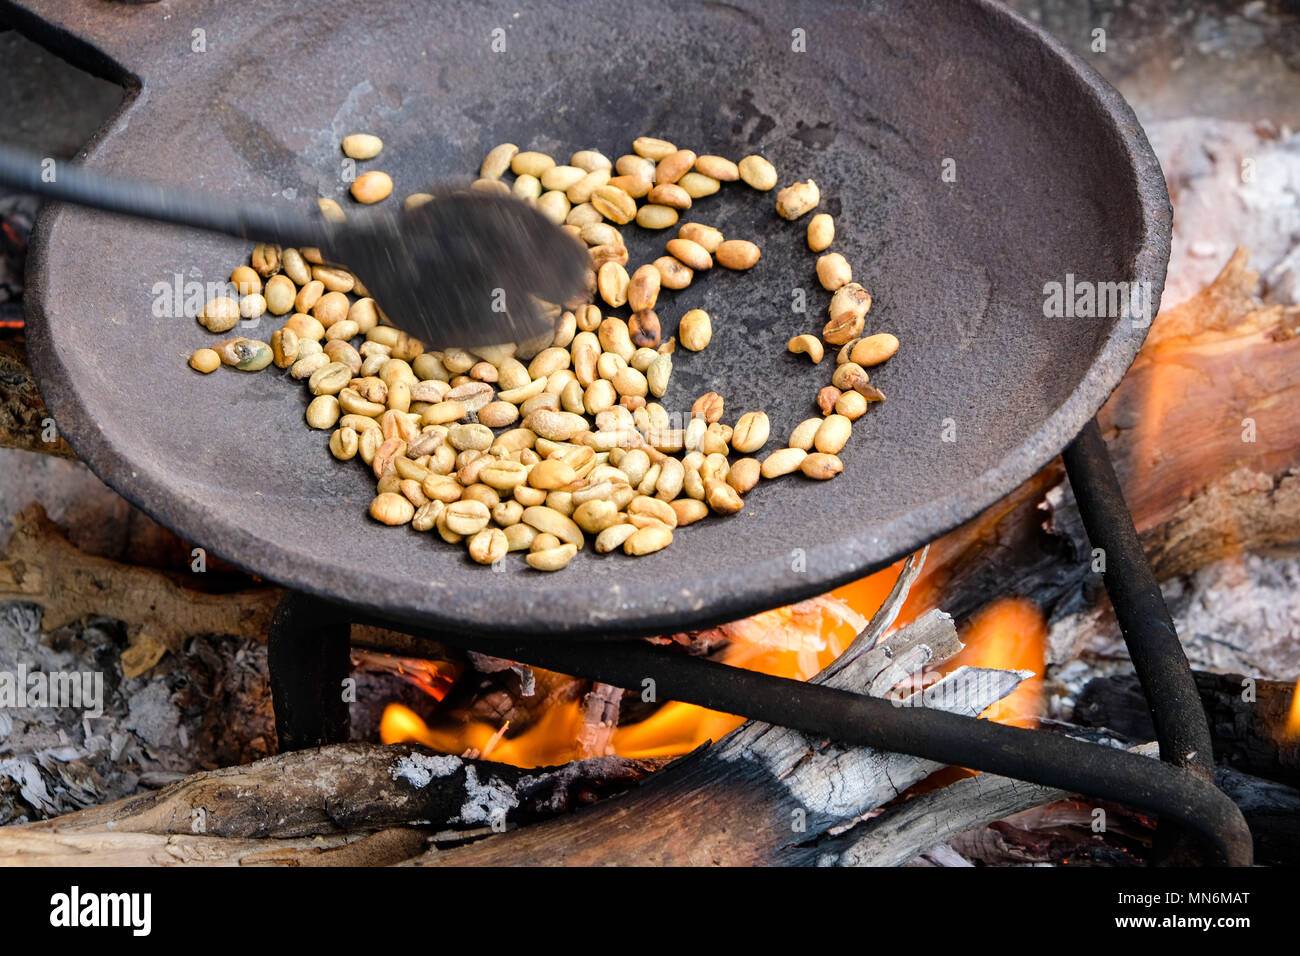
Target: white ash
(485, 802)
(419, 769)
(31, 785)
(154, 718)
(1239, 615)
(154, 729)
(1233, 184)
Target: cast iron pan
(1053, 176)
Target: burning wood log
(745, 802)
(1061, 832)
(1001, 821)
(501, 692)
(599, 718)
(762, 789)
(1210, 475)
(895, 836)
(955, 813)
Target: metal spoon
(458, 271)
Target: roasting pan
(969, 160)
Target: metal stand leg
(308, 660)
(1153, 645)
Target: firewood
(319, 799)
(515, 694)
(1273, 812)
(1203, 431)
(1248, 719)
(109, 848)
(762, 789)
(897, 835)
(599, 718)
(944, 815)
(940, 855)
(1060, 833)
(42, 566)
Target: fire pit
(873, 696)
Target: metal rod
(308, 660)
(66, 182)
(1035, 756)
(1162, 669)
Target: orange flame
(867, 595)
(548, 742)
(435, 678)
(1292, 729)
(795, 642)
(1010, 634)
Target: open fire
(794, 642)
